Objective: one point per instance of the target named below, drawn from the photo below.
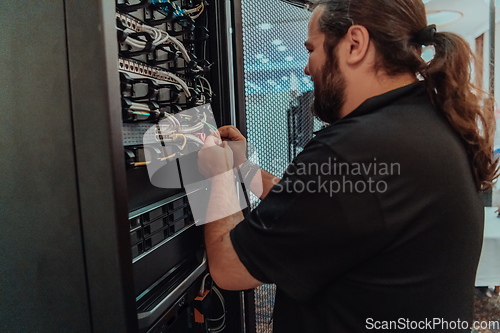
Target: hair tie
(427, 35)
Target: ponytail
(398, 29)
(469, 110)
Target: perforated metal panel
(274, 57)
(278, 98)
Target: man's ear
(358, 40)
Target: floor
(487, 308)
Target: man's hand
(237, 143)
(231, 133)
(263, 181)
(214, 159)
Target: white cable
(173, 128)
(196, 128)
(180, 47)
(223, 317)
(196, 16)
(181, 82)
(175, 122)
(140, 109)
(198, 69)
(202, 288)
(128, 31)
(209, 86)
(200, 8)
(135, 42)
(160, 37)
(194, 138)
(163, 39)
(193, 10)
(140, 106)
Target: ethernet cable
(222, 326)
(199, 9)
(178, 11)
(208, 83)
(195, 139)
(151, 111)
(159, 37)
(181, 82)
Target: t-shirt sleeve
(311, 228)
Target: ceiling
(475, 18)
(274, 38)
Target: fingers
(211, 141)
(231, 133)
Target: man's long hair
(393, 26)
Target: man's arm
(225, 266)
(262, 183)
(224, 210)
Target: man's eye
(309, 51)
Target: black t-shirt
(376, 224)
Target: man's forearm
(223, 200)
(224, 211)
(262, 183)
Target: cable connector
(201, 304)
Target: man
(378, 223)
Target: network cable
(177, 11)
(130, 26)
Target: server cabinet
(74, 204)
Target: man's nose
(306, 70)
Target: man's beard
(329, 92)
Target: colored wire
(185, 141)
(177, 136)
(141, 163)
(168, 157)
(141, 113)
(201, 11)
(210, 125)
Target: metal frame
(42, 271)
(239, 72)
(96, 109)
(220, 72)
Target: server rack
(72, 215)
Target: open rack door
(275, 104)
